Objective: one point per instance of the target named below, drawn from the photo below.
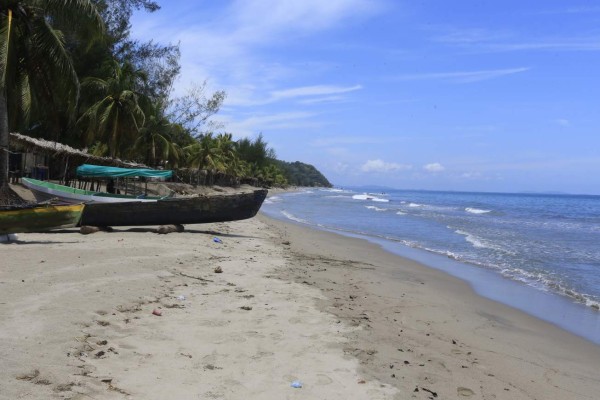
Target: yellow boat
(39, 217)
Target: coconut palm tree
(204, 155)
(36, 71)
(230, 162)
(116, 117)
(154, 142)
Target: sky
(468, 95)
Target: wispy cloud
(463, 77)
(327, 99)
(263, 123)
(312, 91)
(232, 46)
(576, 44)
(263, 19)
(355, 140)
(434, 167)
(379, 165)
(486, 41)
(470, 36)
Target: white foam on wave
(365, 196)
(376, 208)
(400, 213)
(480, 243)
(294, 218)
(334, 190)
(378, 194)
(473, 210)
(474, 240)
(415, 205)
(549, 282)
(272, 199)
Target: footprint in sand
(213, 322)
(323, 379)
(465, 392)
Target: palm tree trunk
(7, 195)
(3, 140)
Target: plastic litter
(181, 297)
(296, 384)
(217, 240)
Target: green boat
(39, 218)
(108, 209)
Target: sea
(539, 253)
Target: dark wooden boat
(182, 210)
(39, 217)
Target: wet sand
(339, 315)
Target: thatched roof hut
(26, 144)
(63, 159)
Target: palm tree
(204, 154)
(35, 67)
(230, 162)
(155, 143)
(116, 117)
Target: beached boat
(108, 209)
(183, 210)
(45, 190)
(39, 218)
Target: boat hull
(44, 191)
(191, 210)
(39, 218)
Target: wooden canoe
(184, 210)
(39, 218)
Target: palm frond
(78, 13)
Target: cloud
(471, 175)
(481, 40)
(321, 100)
(356, 140)
(434, 167)
(232, 45)
(340, 167)
(463, 77)
(379, 165)
(577, 44)
(264, 123)
(318, 90)
(563, 122)
(265, 19)
(470, 36)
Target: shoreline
(457, 335)
(341, 315)
(566, 309)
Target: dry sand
(340, 315)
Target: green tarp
(97, 171)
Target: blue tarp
(97, 171)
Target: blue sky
(449, 95)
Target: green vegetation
(301, 174)
(70, 72)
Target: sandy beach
(272, 304)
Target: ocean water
(549, 244)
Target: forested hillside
(300, 174)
